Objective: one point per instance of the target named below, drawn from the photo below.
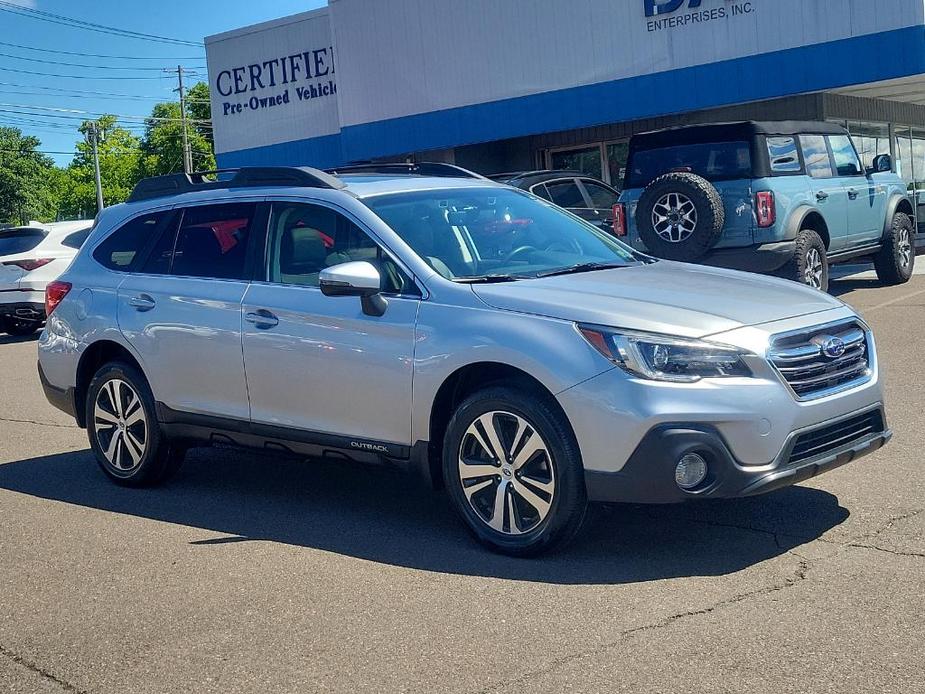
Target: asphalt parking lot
(249, 573)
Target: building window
(587, 160)
(617, 153)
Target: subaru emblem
(833, 347)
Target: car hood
(662, 297)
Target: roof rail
(436, 169)
(246, 177)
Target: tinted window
(846, 159)
(601, 196)
(566, 194)
(77, 239)
(714, 161)
(20, 240)
(784, 155)
(119, 250)
(816, 156)
(306, 239)
(212, 241)
(540, 190)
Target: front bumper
(649, 475)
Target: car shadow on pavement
(846, 286)
(384, 515)
(17, 339)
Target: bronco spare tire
(680, 216)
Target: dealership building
(501, 85)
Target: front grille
(835, 436)
(822, 360)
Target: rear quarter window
(15, 241)
(715, 161)
(784, 155)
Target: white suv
(30, 258)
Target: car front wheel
(514, 472)
(123, 429)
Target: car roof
(531, 178)
(732, 131)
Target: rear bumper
(62, 398)
(767, 257)
(649, 475)
(23, 310)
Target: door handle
(852, 195)
(141, 303)
(262, 319)
(822, 195)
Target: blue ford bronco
(785, 198)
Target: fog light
(691, 471)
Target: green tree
(120, 157)
(199, 109)
(26, 178)
(162, 145)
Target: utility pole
(95, 134)
(187, 154)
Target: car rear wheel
(123, 429)
(896, 260)
(810, 263)
(514, 472)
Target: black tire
(809, 248)
(18, 328)
(708, 221)
(160, 458)
(558, 462)
(896, 260)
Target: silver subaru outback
(520, 357)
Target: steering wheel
(519, 251)
(570, 246)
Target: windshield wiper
(488, 279)
(581, 267)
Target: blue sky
(26, 98)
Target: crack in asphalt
(39, 424)
(897, 552)
(33, 667)
(799, 575)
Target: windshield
(715, 161)
(471, 233)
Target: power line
(98, 55)
(75, 77)
(67, 112)
(83, 65)
(88, 92)
(35, 151)
(32, 13)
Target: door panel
(831, 197)
(320, 364)
(864, 199)
(187, 333)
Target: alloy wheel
(120, 425)
(814, 269)
(674, 217)
(507, 473)
(904, 246)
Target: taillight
(619, 219)
(54, 294)
(30, 265)
(764, 207)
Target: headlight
(666, 358)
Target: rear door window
(784, 155)
(602, 197)
(816, 156)
(566, 194)
(212, 241)
(121, 248)
(14, 241)
(716, 161)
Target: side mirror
(360, 279)
(883, 163)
